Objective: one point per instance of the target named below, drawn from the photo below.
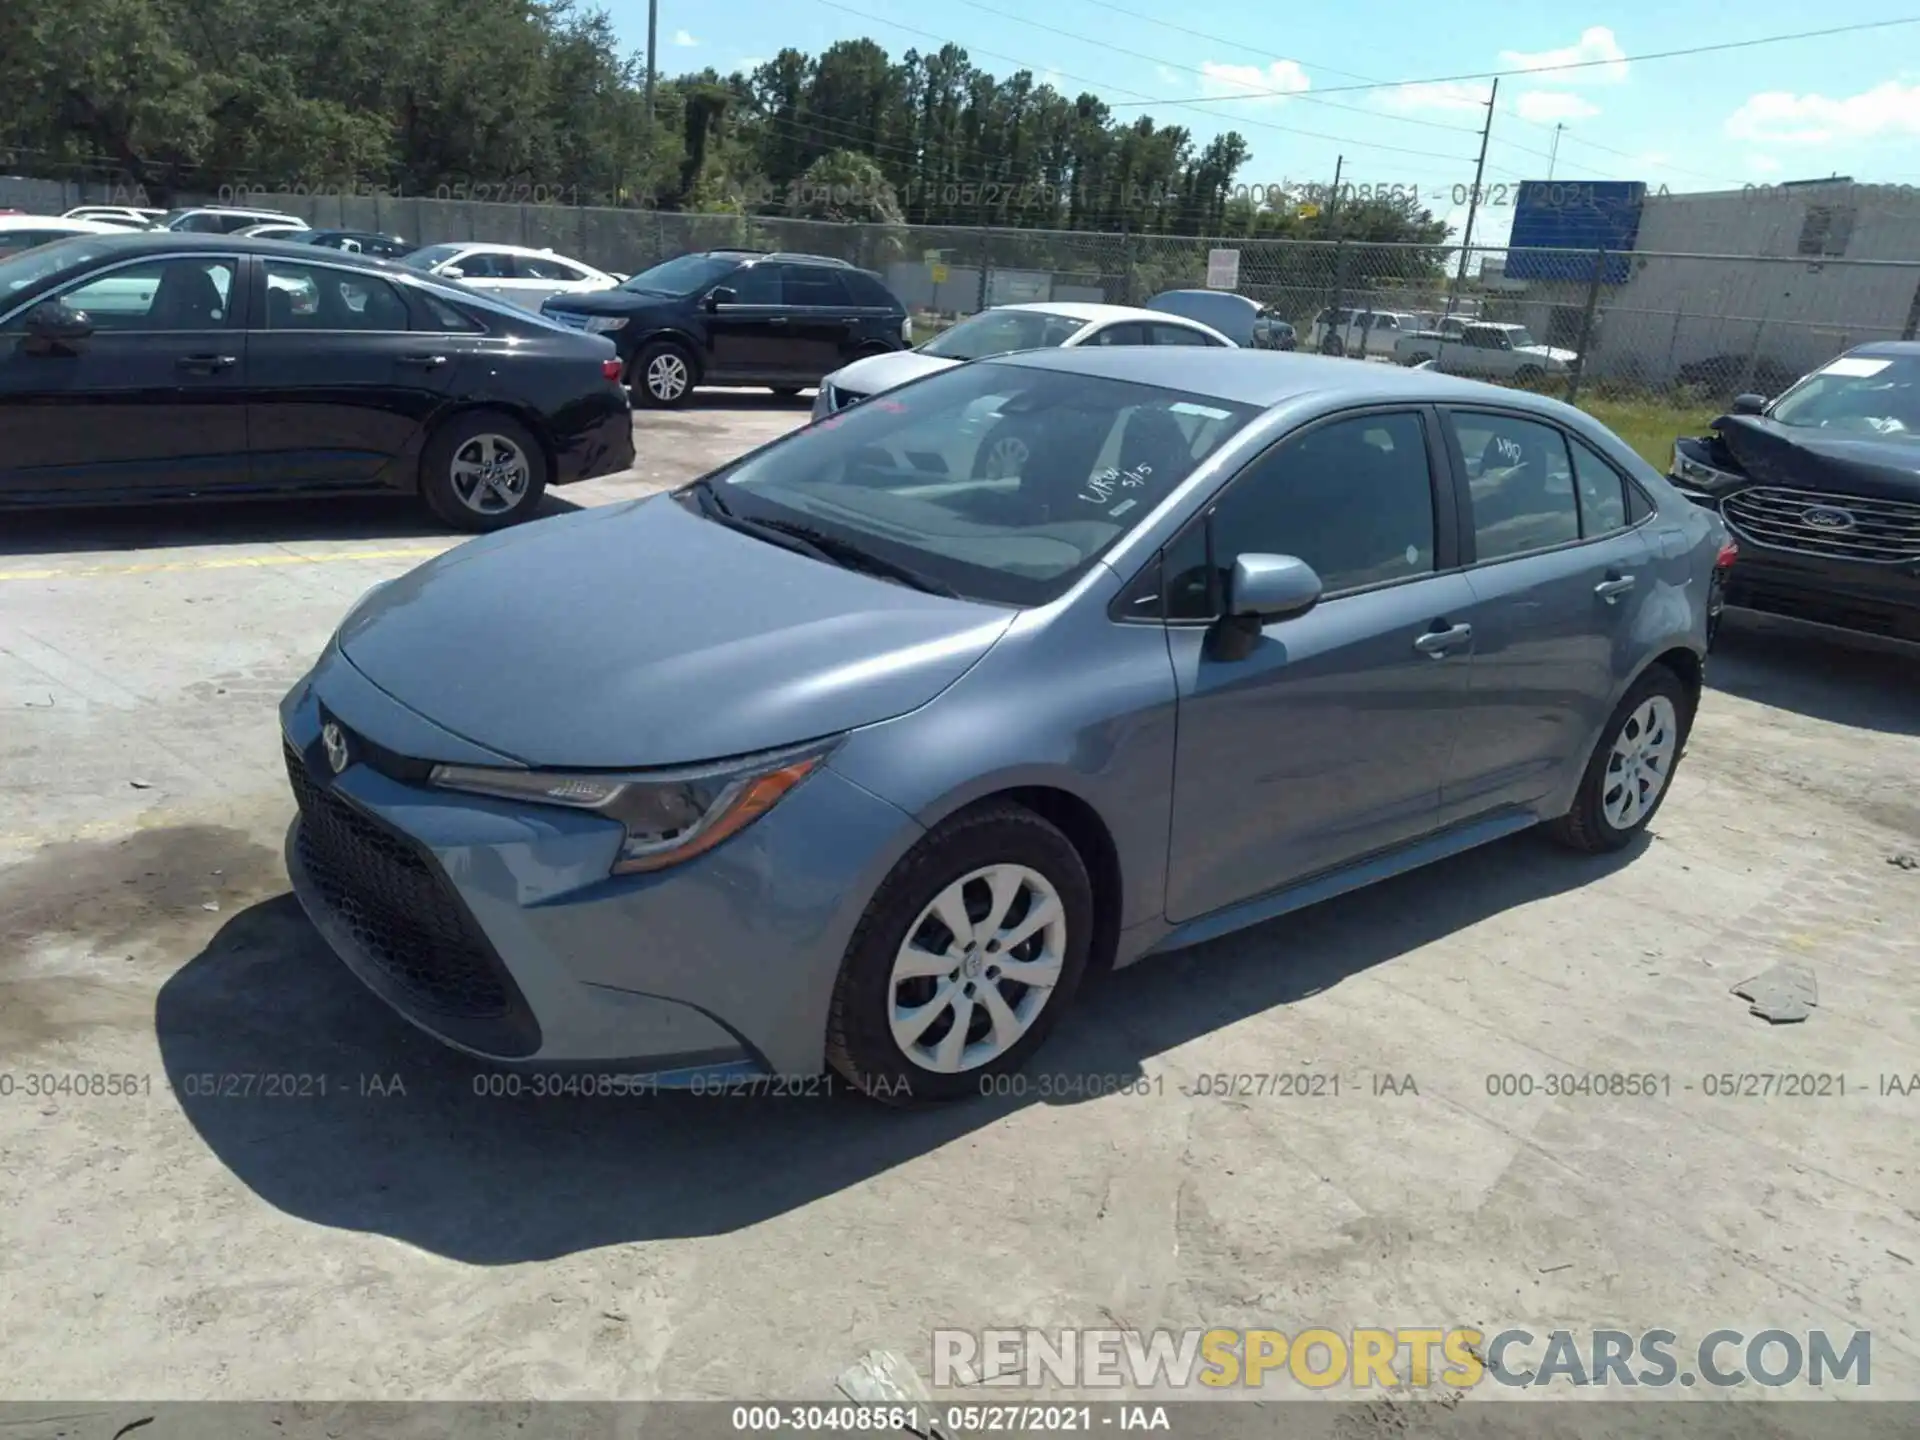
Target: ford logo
(1828, 517)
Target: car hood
(882, 372)
(1807, 459)
(609, 301)
(642, 635)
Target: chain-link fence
(1689, 330)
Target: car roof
(495, 249)
(1892, 349)
(1089, 311)
(78, 226)
(1228, 295)
(119, 241)
(1265, 378)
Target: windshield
(29, 267)
(686, 275)
(1864, 394)
(1000, 332)
(1518, 337)
(1001, 482)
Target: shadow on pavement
(231, 522)
(1843, 680)
(404, 1142)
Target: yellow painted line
(227, 562)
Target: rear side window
(546, 267)
(811, 285)
(1603, 492)
(870, 290)
(436, 315)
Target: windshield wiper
(854, 557)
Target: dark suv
(739, 317)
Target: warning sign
(1223, 269)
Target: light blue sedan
(851, 759)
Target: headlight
(669, 815)
(1701, 477)
(603, 324)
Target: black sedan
(160, 366)
(1822, 489)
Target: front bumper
(497, 928)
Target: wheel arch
(673, 335)
(521, 414)
(1686, 663)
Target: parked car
(1724, 376)
(1241, 319)
(838, 759)
(225, 219)
(1484, 351)
(1002, 330)
(24, 232)
(130, 217)
(159, 366)
(1361, 332)
(739, 317)
(1821, 487)
(524, 277)
(360, 242)
(274, 230)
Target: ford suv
(739, 317)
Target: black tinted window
(758, 285)
(869, 289)
(1603, 492)
(438, 316)
(1521, 482)
(811, 285)
(1178, 335)
(313, 297)
(1119, 335)
(1353, 498)
(484, 265)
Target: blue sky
(1847, 104)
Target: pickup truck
(1486, 351)
(1362, 333)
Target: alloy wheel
(1640, 763)
(977, 968)
(490, 474)
(667, 377)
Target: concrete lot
(430, 1243)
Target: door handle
(430, 361)
(776, 320)
(208, 364)
(1613, 587)
(1438, 643)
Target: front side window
(431, 257)
(546, 267)
(1000, 482)
(160, 295)
(1353, 498)
(1001, 332)
(485, 265)
(1521, 484)
(758, 285)
(1857, 394)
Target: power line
(1103, 85)
(1719, 48)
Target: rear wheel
(483, 471)
(1631, 768)
(664, 374)
(965, 958)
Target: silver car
(848, 759)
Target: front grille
(1876, 531)
(1894, 622)
(400, 910)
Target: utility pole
(653, 41)
(1554, 153)
(1473, 200)
(1332, 213)
(1333, 199)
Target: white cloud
(1778, 117)
(684, 40)
(1252, 82)
(1596, 44)
(1462, 95)
(1547, 107)
(1764, 165)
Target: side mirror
(1749, 404)
(53, 328)
(453, 272)
(1261, 589)
(721, 295)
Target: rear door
(824, 317)
(345, 369)
(1558, 569)
(152, 403)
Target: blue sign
(1559, 225)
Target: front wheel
(483, 471)
(1632, 767)
(966, 957)
(663, 375)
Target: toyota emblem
(335, 741)
(1828, 517)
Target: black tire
(642, 379)
(1586, 827)
(443, 495)
(860, 1042)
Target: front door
(1331, 739)
(1559, 574)
(343, 375)
(152, 402)
(753, 335)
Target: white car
(23, 232)
(274, 230)
(514, 273)
(225, 219)
(1041, 325)
(132, 217)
